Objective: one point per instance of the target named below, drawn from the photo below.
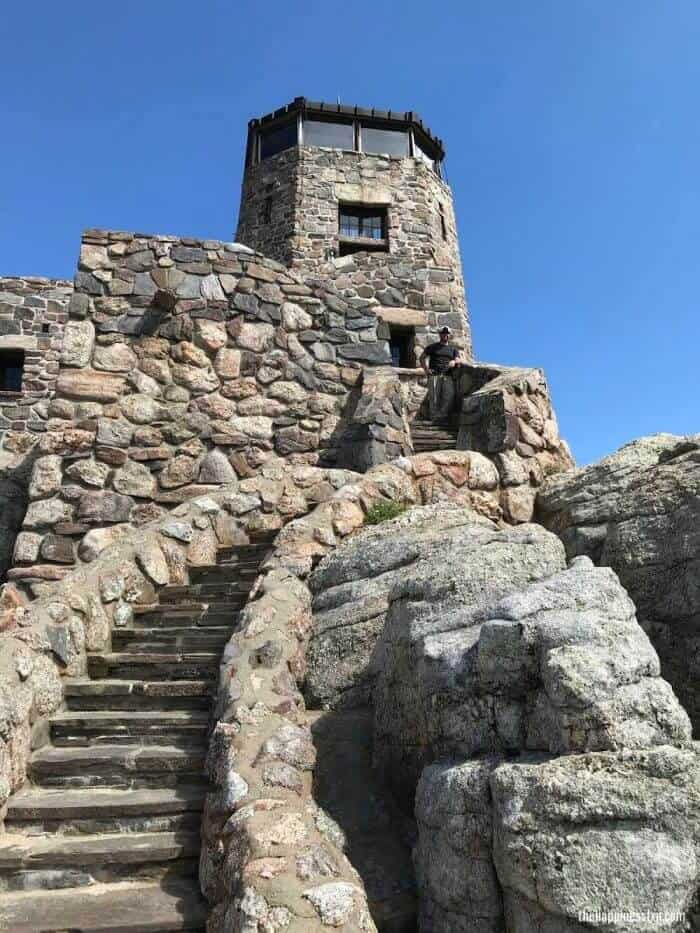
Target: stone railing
(271, 858)
(48, 639)
(377, 429)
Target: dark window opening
(278, 139)
(443, 222)
(44, 328)
(402, 346)
(11, 367)
(266, 217)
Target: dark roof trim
(403, 118)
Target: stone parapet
(33, 312)
(185, 364)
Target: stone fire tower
(357, 196)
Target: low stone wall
(377, 428)
(33, 312)
(264, 838)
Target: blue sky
(573, 149)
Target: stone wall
(33, 312)
(185, 365)
(422, 269)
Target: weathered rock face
(638, 511)
(490, 661)
(351, 597)
(552, 845)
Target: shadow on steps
(378, 836)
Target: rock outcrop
(638, 511)
(351, 588)
(603, 841)
(521, 703)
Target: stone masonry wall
(422, 269)
(185, 365)
(33, 312)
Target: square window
(11, 368)
(363, 223)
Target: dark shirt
(440, 355)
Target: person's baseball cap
(445, 330)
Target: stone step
(240, 570)
(205, 638)
(56, 862)
(187, 615)
(126, 907)
(230, 591)
(138, 694)
(117, 766)
(98, 809)
(118, 727)
(244, 552)
(156, 666)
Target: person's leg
(433, 396)
(444, 397)
(449, 391)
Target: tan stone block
(90, 384)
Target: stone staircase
(105, 837)
(433, 435)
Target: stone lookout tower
(358, 196)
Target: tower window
(362, 228)
(278, 139)
(330, 134)
(384, 142)
(11, 368)
(266, 217)
(443, 222)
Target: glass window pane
(349, 225)
(423, 156)
(333, 135)
(385, 142)
(277, 139)
(372, 227)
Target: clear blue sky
(572, 131)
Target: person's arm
(423, 361)
(456, 359)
